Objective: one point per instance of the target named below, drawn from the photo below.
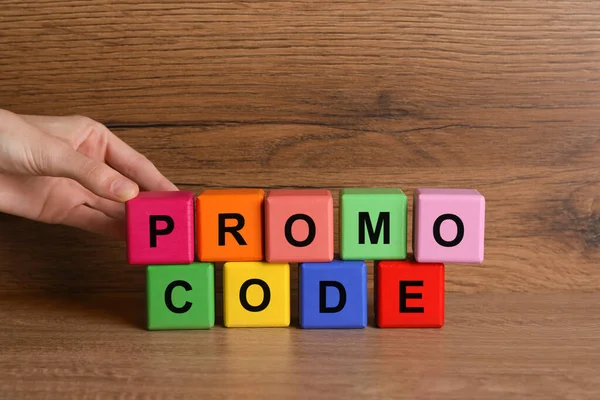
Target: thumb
(96, 176)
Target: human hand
(71, 171)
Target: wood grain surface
(494, 346)
(500, 96)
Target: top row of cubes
(298, 226)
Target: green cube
(373, 224)
(181, 296)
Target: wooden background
(501, 96)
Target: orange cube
(229, 225)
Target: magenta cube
(448, 225)
(299, 226)
(160, 228)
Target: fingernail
(124, 189)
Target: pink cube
(448, 226)
(160, 228)
(299, 226)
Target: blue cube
(333, 294)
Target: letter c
(169, 297)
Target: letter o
(460, 230)
(312, 230)
(244, 292)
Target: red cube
(409, 294)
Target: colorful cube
(449, 225)
(333, 295)
(256, 294)
(409, 294)
(299, 226)
(160, 228)
(373, 224)
(180, 296)
(230, 225)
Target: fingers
(119, 155)
(59, 200)
(45, 198)
(111, 208)
(135, 166)
(94, 221)
(62, 161)
(26, 149)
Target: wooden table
(494, 346)
(499, 96)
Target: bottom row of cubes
(331, 295)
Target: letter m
(364, 224)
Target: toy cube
(181, 296)
(230, 225)
(160, 228)
(449, 225)
(333, 295)
(373, 224)
(409, 294)
(299, 226)
(256, 294)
